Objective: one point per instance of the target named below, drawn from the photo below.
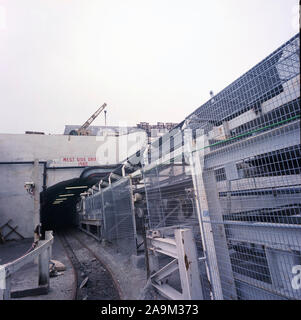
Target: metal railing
(43, 251)
(112, 208)
(246, 173)
(232, 175)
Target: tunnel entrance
(58, 202)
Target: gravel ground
(99, 285)
(131, 280)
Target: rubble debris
(84, 282)
(59, 266)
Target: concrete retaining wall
(57, 150)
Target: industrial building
(209, 208)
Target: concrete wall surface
(26, 147)
(15, 202)
(71, 152)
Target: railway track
(93, 280)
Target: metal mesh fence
(113, 207)
(93, 207)
(231, 174)
(170, 198)
(240, 188)
(247, 175)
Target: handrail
(43, 251)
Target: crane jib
(89, 121)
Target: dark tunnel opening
(58, 202)
(60, 217)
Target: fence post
(5, 292)
(48, 236)
(133, 211)
(205, 228)
(188, 265)
(215, 216)
(153, 260)
(211, 223)
(7, 295)
(44, 259)
(36, 212)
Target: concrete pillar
(44, 268)
(5, 293)
(36, 210)
(44, 259)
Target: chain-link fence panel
(246, 170)
(170, 198)
(119, 216)
(112, 209)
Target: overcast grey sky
(151, 61)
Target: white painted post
(5, 285)
(48, 235)
(215, 219)
(6, 292)
(205, 228)
(188, 265)
(36, 209)
(153, 260)
(44, 259)
(44, 268)
(133, 210)
(123, 170)
(213, 237)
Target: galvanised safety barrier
(43, 252)
(112, 210)
(231, 173)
